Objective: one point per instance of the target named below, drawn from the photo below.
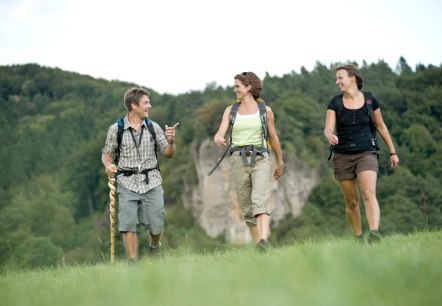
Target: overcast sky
(174, 46)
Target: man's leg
(155, 239)
(130, 241)
(152, 215)
(128, 220)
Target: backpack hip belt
(129, 172)
(247, 151)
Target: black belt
(129, 172)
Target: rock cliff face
(213, 200)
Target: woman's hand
(220, 141)
(332, 139)
(278, 172)
(394, 161)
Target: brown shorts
(348, 166)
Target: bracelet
(391, 154)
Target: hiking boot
(374, 237)
(360, 239)
(154, 251)
(262, 246)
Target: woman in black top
(357, 116)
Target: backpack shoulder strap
(120, 131)
(263, 117)
(338, 102)
(120, 124)
(369, 102)
(151, 129)
(233, 113)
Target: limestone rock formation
(213, 200)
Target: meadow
(402, 270)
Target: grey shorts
(252, 186)
(146, 208)
(348, 166)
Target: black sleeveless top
(353, 125)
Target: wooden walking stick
(112, 216)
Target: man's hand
(110, 170)
(170, 133)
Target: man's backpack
(120, 131)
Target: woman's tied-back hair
(249, 78)
(134, 96)
(352, 70)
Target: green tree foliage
(420, 148)
(421, 191)
(399, 212)
(208, 118)
(37, 209)
(302, 116)
(38, 252)
(54, 124)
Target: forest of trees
(54, 193)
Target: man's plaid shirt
(129, 158)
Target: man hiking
(129, 154)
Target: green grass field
(402, 270)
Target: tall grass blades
(401, 270)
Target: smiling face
(344, 81)
(240, 90)
(141, 110)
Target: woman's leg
(367, 185)
(350, 191)
(260, 195)
(254, 233)
(262, 225)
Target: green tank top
(247, 131)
